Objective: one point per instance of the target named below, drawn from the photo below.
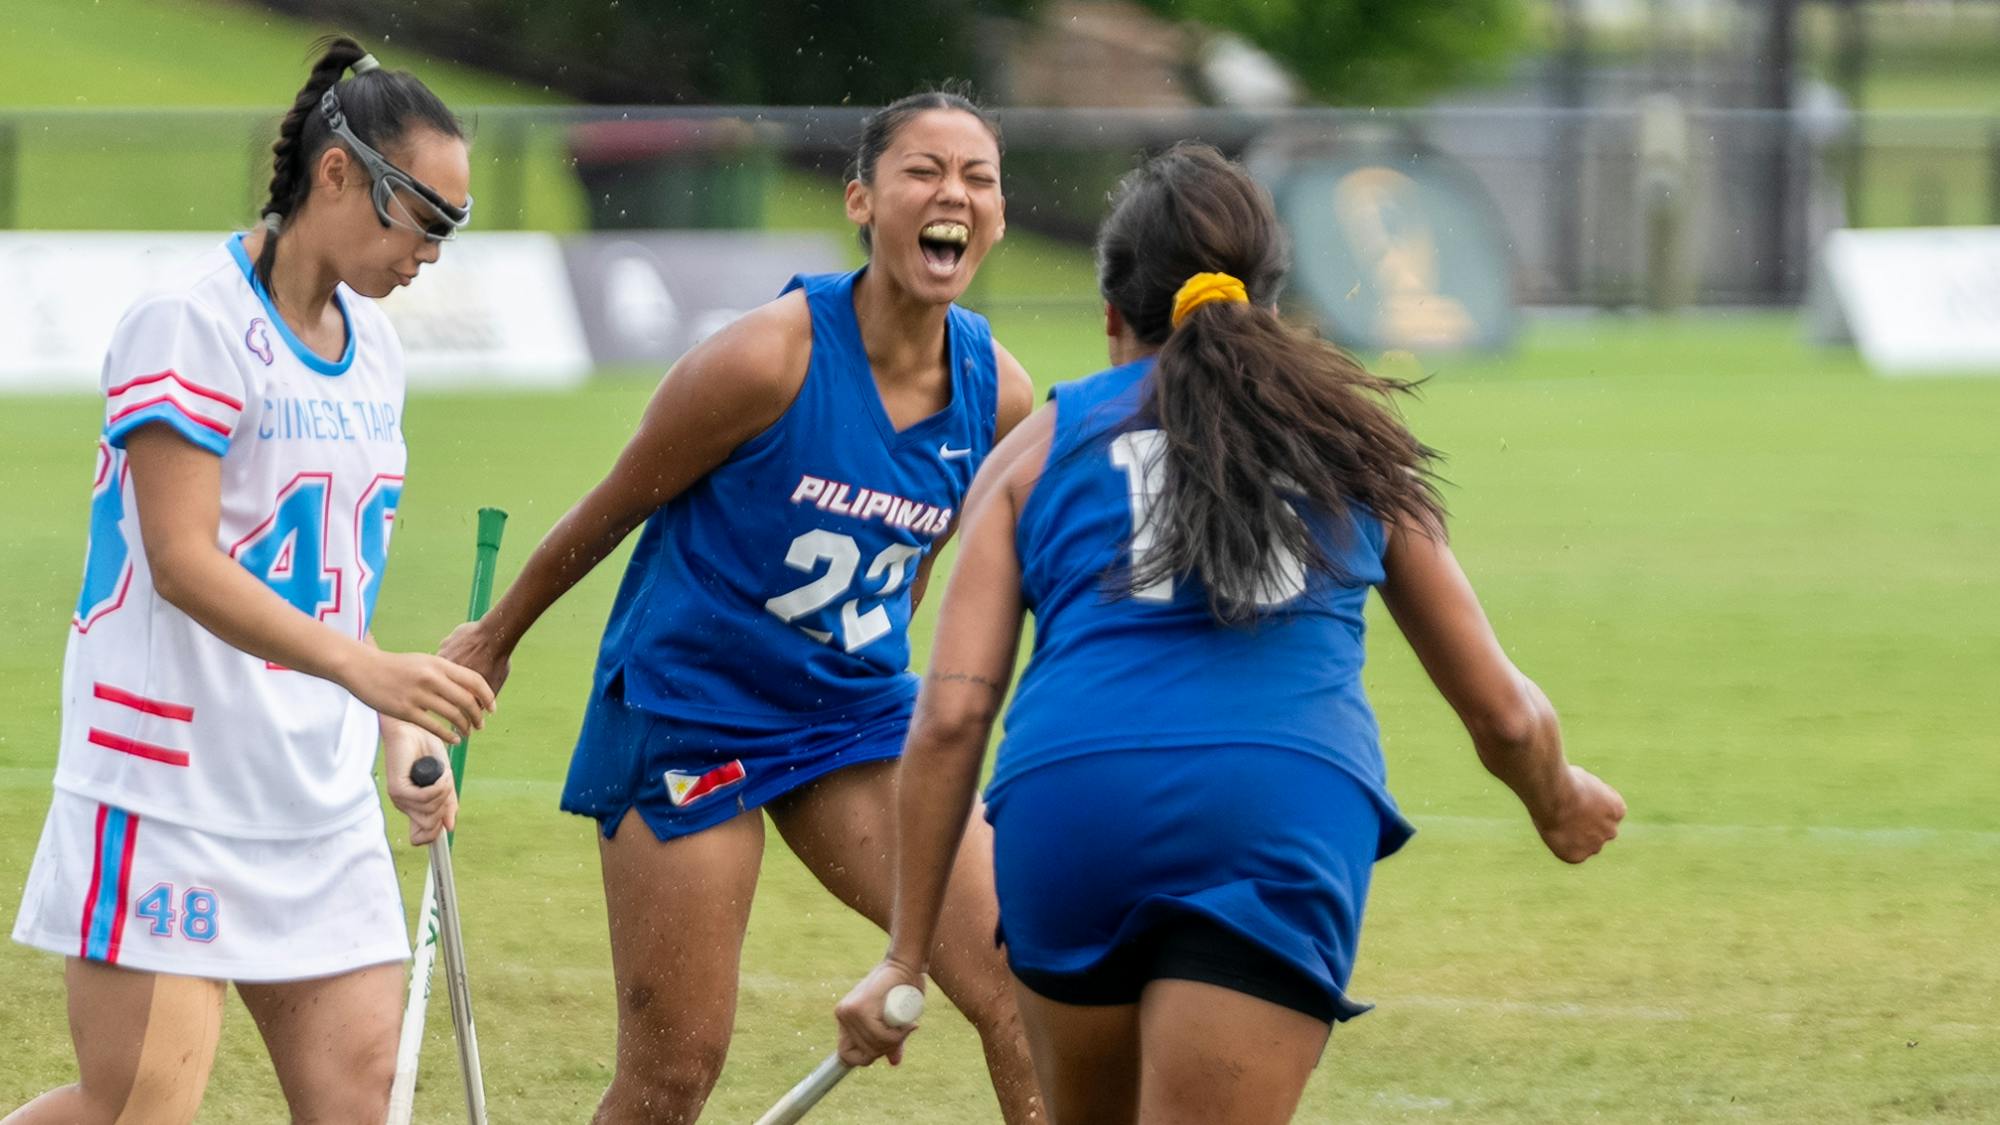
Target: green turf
(190, 91)
(125, 53)
(1757, 583)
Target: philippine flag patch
(686, 788)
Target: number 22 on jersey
(857, 628)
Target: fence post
(1668, 280)
(10, 180)
(1565, 168)
(1779, 58)
(1850, 68)
(258, 183)
(1993, 173)
(514, 166)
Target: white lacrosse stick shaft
(403, 1093)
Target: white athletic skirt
(109, 885)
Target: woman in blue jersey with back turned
(1191, 792)
(796, 474)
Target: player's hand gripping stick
(424, 774)
(903, 1007)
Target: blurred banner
(1915, 301)
(496, 310)
(499, 309)
(648, 296)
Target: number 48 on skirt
(199, 907)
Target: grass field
(1757, 583)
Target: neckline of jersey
(306, 355)
(871, 391)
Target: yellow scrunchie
(1203, 288)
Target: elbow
(170, 579)
(1511, 723)
(960, 724)
(178, 567)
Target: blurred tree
(743, 51)
(1370, 52)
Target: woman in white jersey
(215, 816)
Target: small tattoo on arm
(992, 685)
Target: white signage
(1919, 301)
(496, 310)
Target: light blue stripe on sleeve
(172, 415)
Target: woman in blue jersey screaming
(795, 474)
(1191, 792)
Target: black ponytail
(1257, 414)
(380, 106)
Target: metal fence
(1597, 206)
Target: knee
(373, 1073)
(81, 1105)
(983, 992)
(664, 1075)
(169, 1093)
(353, 1089)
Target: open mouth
(943, 244)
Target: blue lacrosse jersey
(1121, 669)
(775, 591)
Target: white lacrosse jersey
(160, 717)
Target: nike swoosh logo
(948, 453)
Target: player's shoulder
(203, 291)
(1016, 388)
(760, 358)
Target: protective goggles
(432, 216)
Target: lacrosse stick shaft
(410, 1045)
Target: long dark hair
(879, 129)
(381, 107)
(1257, 413)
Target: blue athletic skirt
(686, 774)
(1092, 854)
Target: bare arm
(1016, 402)
(1512, 724)
(178, 488)
(718, 396)
(979, 630)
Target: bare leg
(332, 1041)
(1086, 1057)
(144, 1045)
(1210, 1056)
(678, 912)
(843, 828)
